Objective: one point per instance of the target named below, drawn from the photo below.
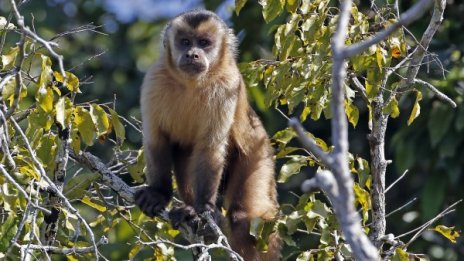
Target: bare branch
(109, 179)
(310, 144)
(47, 44)
(396, 181)
(441, 96)
(358, 85)
(427, 224)
(411, 15)
(419, 52)
(65, 250)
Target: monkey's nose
(193, 56)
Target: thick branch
(109, 179)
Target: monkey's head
(196, 41)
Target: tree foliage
(57, 199)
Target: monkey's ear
(164, 35)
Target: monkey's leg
(251, 193)
(154, 198)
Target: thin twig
(396, 181)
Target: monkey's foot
(150, 202)
(184, 214)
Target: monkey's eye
(204, 42)
(185, 42)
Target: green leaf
(9, 58)
(415, 109)
(448, 232)
(85, 125)
(136, 169)
(272, 9)
(46, 150)
(459, 122)
(86, 200)
(372, 83)
(363, 172)
(8, 231)
(292, 5)
(292, 167)
(400, 255)
(118, 127)
(76, 187)
(284, 136)
(100, 119)
(439, 122)
(239, 4)
(392, 108)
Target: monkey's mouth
(192, 67)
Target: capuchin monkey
(198, 124)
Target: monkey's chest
(194, 117)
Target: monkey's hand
(150, 201)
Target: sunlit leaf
(292, 167)
(352, 112)
(136, 169)
(272, 9)
(392, 108)
(292, 5)
(45, 99)
(118, 127)
(46, 72)
(362, 197)
(72, 82)
(9, 58)
(400, 255)
(100, 119)
(415, 109)
(86, 200)
(85, 125)
(448, 232)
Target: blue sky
(149, 10)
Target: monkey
(198, 125)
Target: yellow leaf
(86, 200)
(118, 127)
(45, 99)
(100, 119)
(72, 82)
(448, 232)
(400, 255)
(85, 125)
(416, 108)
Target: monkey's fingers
(150, 202)
(184, 214)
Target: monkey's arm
(157, 194)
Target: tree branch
(414, 13)
(441, 96)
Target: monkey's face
(193, 52)
(194, 42)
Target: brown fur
(202, 125)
